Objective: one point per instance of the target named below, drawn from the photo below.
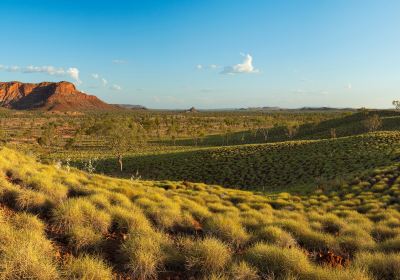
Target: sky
(209, 53)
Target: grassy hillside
(346, 124)
(58, 223)
(274, 166)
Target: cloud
(74, 74)
(119, 61)
(104, 82)
(116, 87)
(95, 76)
(71, 72)
(245, 67)
(98, 77)
(349, 86)
(211, 66)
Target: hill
(271, 166)
(61, 96)
(131, 107)
(344, 123)
(60, 223)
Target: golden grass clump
(227, 228)
(207, 256)
(277, 236)
(144, 252)
(243, 271)
(380, 265)
(25, 253)
(80, 212)
(277, 261)
(87, 267)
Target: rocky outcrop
(61, 96)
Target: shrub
(331, 223)
(243, 271)
(227, 228)
(84, 238)
(307, 238)
(382, 232)
(125, 220)
(328, 273)
(144, 252)
(87, 268)
(26, 254)
(80, 212)
(31, 201)
(27, 222)
(276, 236)
(276, 261)
(207, 256)
(381, 266)
(391, 245)
(355, 239)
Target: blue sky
(209, 53)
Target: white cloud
(119, 61)
(104, 81)
(71, 72)
(211, 66)
(116, 87)
(245, 67)
(74, 74)
(98, 77)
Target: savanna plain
(241, 194)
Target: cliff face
(62, 96)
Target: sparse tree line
(123, 133)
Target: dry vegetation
(327, 204)
(267, 167)
(60, 224)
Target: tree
(373, 123)
(264, 131)
(173, 131)
(120, 136)
(48, 137)
(69, 144)
(196, 133)
(333, 133)
(291, 131)
(396, 104)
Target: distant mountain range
(131, 107)
(61, 96)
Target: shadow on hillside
(344, 126)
